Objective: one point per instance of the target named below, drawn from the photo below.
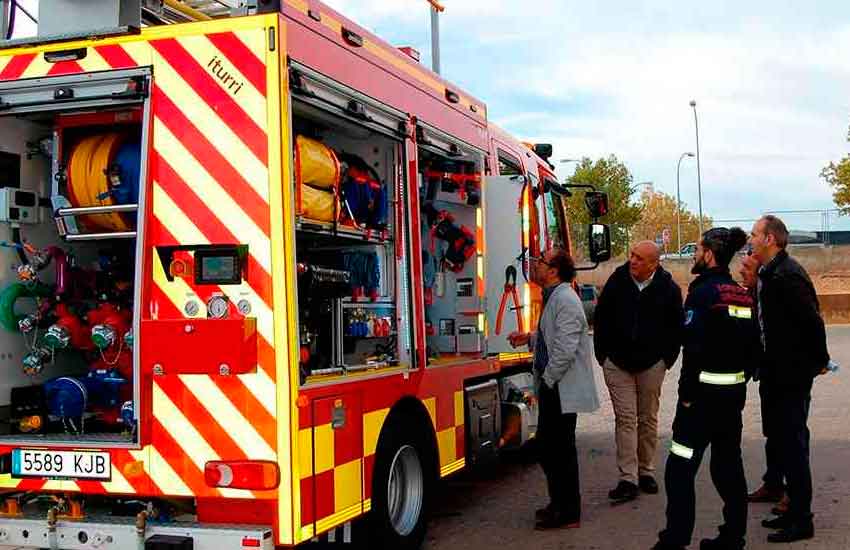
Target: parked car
(589, 295)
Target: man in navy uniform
(720, 350)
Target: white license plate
(61, 464)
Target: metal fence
(826, 227)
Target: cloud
(601, 78)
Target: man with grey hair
(637, 337)
(793, 338)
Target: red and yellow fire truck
(256, 278)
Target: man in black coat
(794, 342)
(637, 338)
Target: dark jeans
(774, 477)
(694, 429)
(556, 445)
(791, 412)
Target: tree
(838, 176)
(612, 177)
(658, 212)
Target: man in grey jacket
(563, 374)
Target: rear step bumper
(122, 534)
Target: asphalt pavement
(495, 508)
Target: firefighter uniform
(719, 346)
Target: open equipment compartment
(70, 262)
(353, 290)
(451, 217)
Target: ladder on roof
(182, 11)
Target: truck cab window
(555, 220)
(509, 165)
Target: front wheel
(401, 486)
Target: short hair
(776, 227)
(563, 262)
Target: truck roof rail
(158, 12)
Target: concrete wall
(835, 308)
(818, 260)
(830, 261)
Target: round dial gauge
(217, 307)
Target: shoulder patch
(689, 316)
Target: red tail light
(249, 542)
(255, 475)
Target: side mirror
(597, 203)
(556, 188)
(600, 242)
(543, 150)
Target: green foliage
(838, 176)
(658, 212)
(610, 176)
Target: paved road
(495, 509)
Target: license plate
(61, 464)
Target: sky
(770, 78)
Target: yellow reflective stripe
(722, 378)
(741, 312)
(680, 450)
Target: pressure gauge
(191, 308)
(103, 336)
(217, 307)
(57, 337)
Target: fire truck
(257, 272)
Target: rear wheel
(402, 484)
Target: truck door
(505, 245)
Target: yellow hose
(188, 11)
(87, 180)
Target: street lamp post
(565, 161)
(436, 8)
(650, 184)
(699, 182)
(679, 204)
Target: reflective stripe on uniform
(722, 378)
(680, 450)
(741, 312)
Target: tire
(402, 484)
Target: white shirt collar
(644, 284)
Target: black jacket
(721, 337)
(635, 329)
(794, 333)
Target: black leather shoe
(665, 546)
(648, 485)
(557, 521)
(779, 522)
(623, 492)
(721, 543)
(766, 493)
(542, 513)
(793, 533)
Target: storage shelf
(342, 231)
(367, 305)
(391, 335)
